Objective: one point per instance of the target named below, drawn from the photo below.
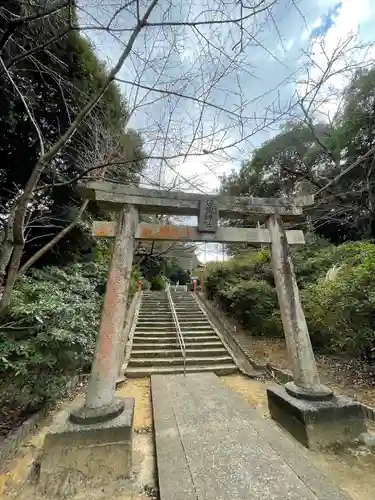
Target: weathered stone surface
(87, 416)
(160, 232)
(175, 481)
(317, 424)
(102, 383)
(208, 215)
(367, 439)
(305, 372)
(227, 449)
(298, 460)
(74, 455)
(182, 203)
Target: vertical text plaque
(208, 216)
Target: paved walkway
(211, 445)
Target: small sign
(208, 216)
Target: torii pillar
(306, 408)
(95, 443)
(101, 403)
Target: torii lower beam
(158, 232)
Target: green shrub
(255, 265)
(313, 263)
(341, 312)
(50, 330)
(254, 304)
(158, 283)
(134, 282)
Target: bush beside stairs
(155, 347)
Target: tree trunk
(46, 158)
(37, 255)
(12, 275)
(6, 246)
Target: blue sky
(263, 79)
(327, 21)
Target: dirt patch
(21, 467)
(139, 389)
(345, 375)
(19, 482)
(350, 468)
(254, 393)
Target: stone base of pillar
(317, 424)
(75, 456)
(86, 415)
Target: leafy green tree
(69, 73)
(175, 273)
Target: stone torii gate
(291, 405)
(272, 211)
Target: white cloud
(352, 16)
(274, 57)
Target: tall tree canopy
(55, 75)
(316, 153)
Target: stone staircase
(155, 347)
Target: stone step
(140, 339)
(156, 322)
(156, 317)
(195, 317)
(184, 301)
(176, 360)
(168, 318)
(151, 309)
(151, 298)
(189, 310)
(168, 332)
(195, 328)
(191, 321)
(152, 331)
(176, 352)
(183, 305)
(219, 369)
(189, 300)
(157, 327)
(149, 346)
(160, 300)
(154, 314)
(154, 295)
(156, 303)
(166, 307)
(170, 324)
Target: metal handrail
(180, 337)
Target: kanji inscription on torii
(208, 216)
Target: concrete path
(211, 445)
